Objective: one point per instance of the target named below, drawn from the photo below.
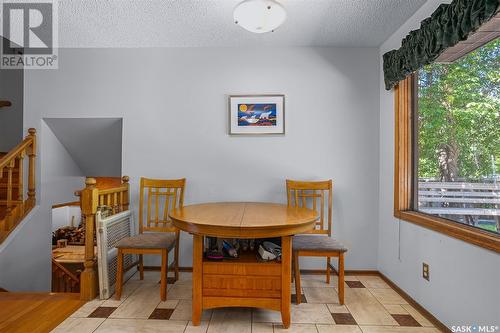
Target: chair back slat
(322, 215)
(158, 208)
(173, 201)
(306, 194)
(166, 205)
(150, 195)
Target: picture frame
(256, 114)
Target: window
(447, 174)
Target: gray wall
(11, 118)
(463, 288)
(174, 108)
(25, 256)
(95, 144)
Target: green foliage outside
(459, 106)
(489, 227)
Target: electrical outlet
(425, 271)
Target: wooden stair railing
(90, 198)
(63, 281)
(13, 205)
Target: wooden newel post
(31, 168)
(89, 200)
(126, 197)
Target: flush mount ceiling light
(259, 16)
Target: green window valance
(448, 25)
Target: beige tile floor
(371, 307)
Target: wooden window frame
(405, 102)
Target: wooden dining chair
(157, 234)
(319, 242)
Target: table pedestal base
(243, 282)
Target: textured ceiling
(186, 23)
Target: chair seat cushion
(157, 240)
(316, 243)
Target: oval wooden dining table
(246, 281)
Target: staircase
(20, 311)
(64, 281)
(14, 204)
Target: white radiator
(110, 231)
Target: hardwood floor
(35, 312)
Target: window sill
(465, 233)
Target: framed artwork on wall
(256, 114)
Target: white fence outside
(461, 201)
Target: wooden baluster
(120, 202)
(20, 194)
(89, 200)
(32, 169)
(115, 205)
(124, 201)
(61, 282)
(8, 218)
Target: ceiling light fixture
(259, 16)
